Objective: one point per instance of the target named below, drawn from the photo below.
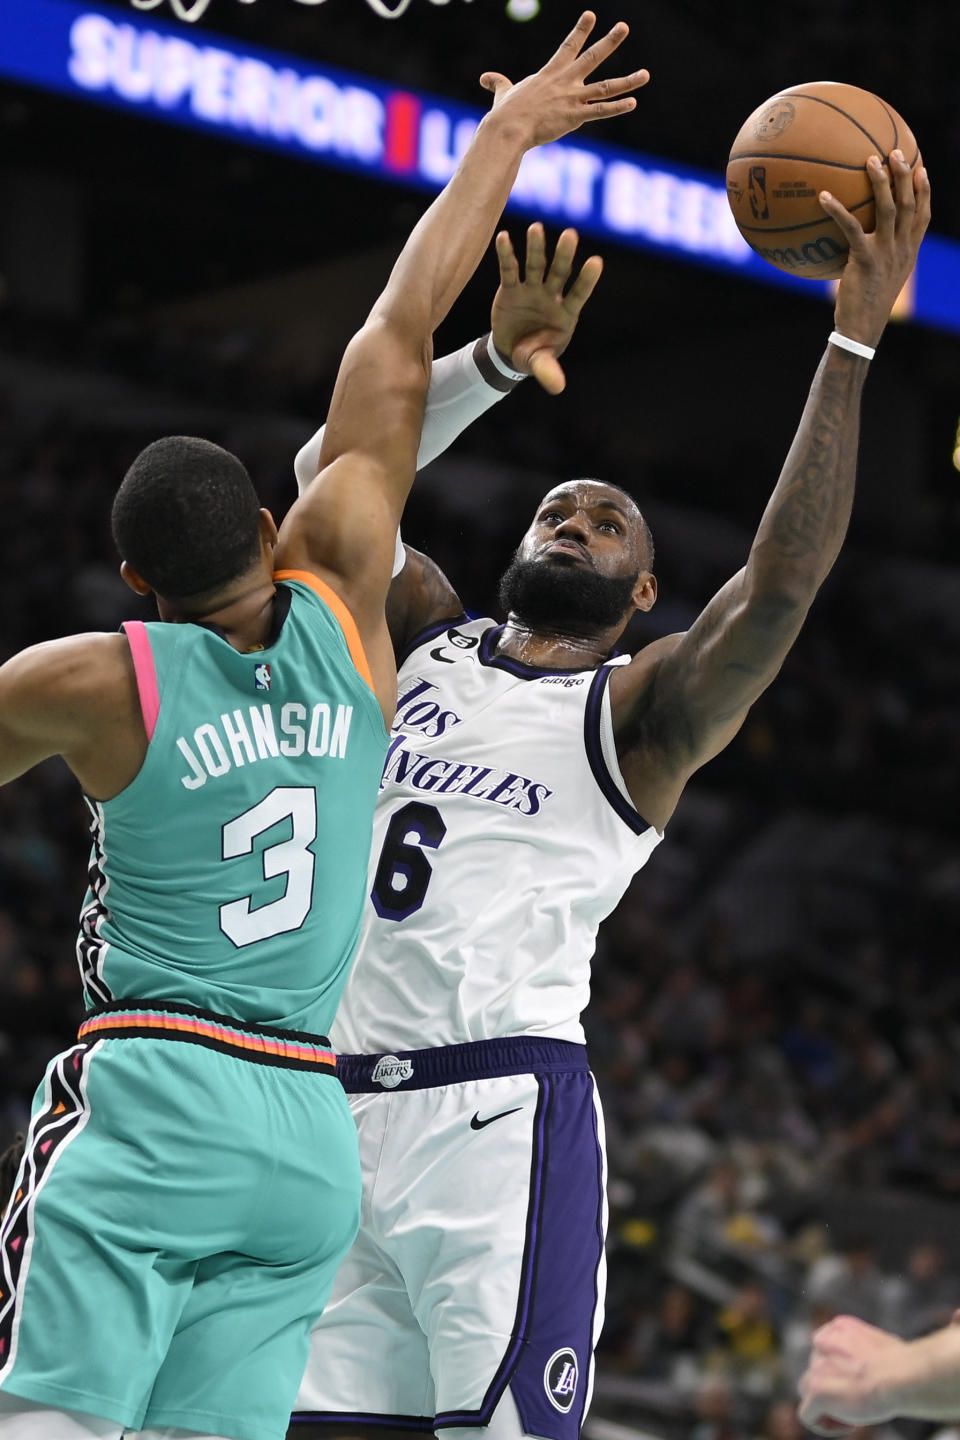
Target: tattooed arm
(420, 595)
(684, 698)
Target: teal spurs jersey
(230, 875)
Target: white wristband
(843, 342)
(497, 360)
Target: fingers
(507, 260)
(562, 263)
(547, 371)
(603, 49)
(585, 284)
(921, 187)
(493, 80)
(536, 261)
(609, 89)
(822, 1424)
(849, 224)
(883, 197)
(605, 110)
(570, 48)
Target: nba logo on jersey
(389, 1071)
(560, 1379)
(261, 676)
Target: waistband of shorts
(291, 1049)
(448, 1064)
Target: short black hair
(186, 517)
(646, 534)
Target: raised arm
(531, 324)
(343, 528)
(683, 699)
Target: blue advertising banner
(168, 71)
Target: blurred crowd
(774, 1025)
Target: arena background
(774, 1021)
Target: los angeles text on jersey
(418, 715)
(454, 777)
(246, 736)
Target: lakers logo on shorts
(560, 1379)
(389, 1071)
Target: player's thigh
(239, 1350)
(460, 1198)
(368, 1355)
(505, 1258)
(92, 1294)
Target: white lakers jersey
(503, 835)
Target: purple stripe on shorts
(548, 1364)
(548, 1360)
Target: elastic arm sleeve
(462, 387)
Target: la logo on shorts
(389, 1071)
(560, 1379)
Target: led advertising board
(167, 71)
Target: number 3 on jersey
(403, 871)
(291, 857)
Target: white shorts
(479, 1263)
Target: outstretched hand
(848, 1381)
(532, 319)
(880, 263)
(558, 99)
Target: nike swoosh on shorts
(477, 1124)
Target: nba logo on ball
(560, 1379)
(794, 146)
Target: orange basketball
(801, 141)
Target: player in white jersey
(529, 776)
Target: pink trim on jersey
(146, 673)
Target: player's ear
(644, 594)
(135, 581)
(268, 529)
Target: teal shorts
(174, 1231)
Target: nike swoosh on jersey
(477, 1124)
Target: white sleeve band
(459, 394)
(500, 364)
(856, 347)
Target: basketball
(801, 141)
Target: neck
(554, 649)
(244, 612)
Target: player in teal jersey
(164, 1252)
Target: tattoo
(419, 595)
(434, 594)
(701, 691)
(810, 507)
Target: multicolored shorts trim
(291, 1049)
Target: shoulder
(633, 686)
(75, 697)
(645, 731)
(420, 596)
(72, 668)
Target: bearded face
(552, 594)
